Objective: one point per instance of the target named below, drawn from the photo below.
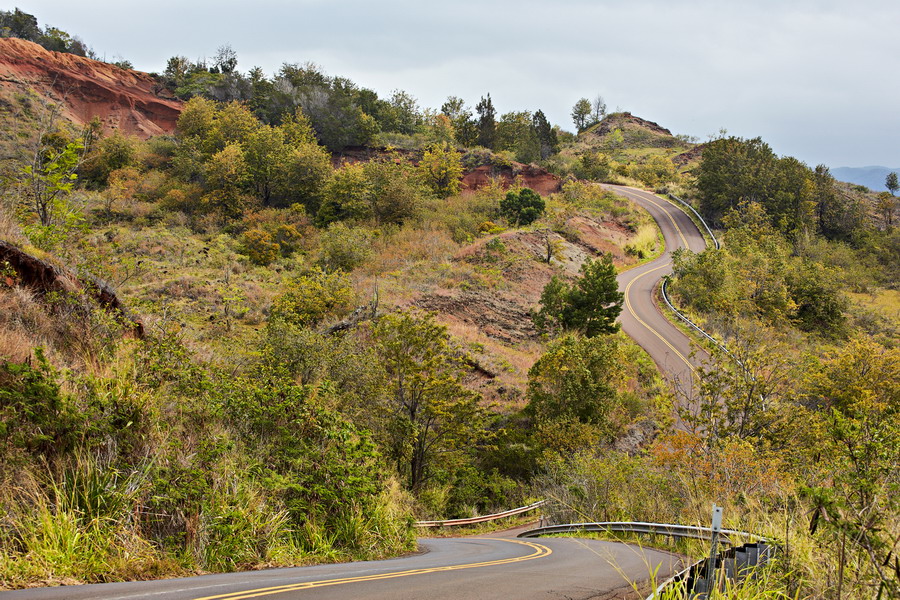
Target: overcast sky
(816, 79)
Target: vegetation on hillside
(291, 398)
(333, 347)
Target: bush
(522, 208)
(312, 298)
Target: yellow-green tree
(441, 168)
(428, 411)
(312, 298)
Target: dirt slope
(124, 100)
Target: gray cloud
(815, 78)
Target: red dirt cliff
(124, 100)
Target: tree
(487, 123)
(546, 135)
(576, 379)
(312, 298)
(428, 410)
(891, 183)
(516, 133)
(345, 196)
(886, 204)
(49, 178)
(225, 59)
(598, 109)
(442, 170)
(400, 113)
(523, 207)
(590, 306)
(465, 129)
(111, 153)
(581, 112)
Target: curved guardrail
(708, 230)
(683, 317)
(732, 563)
(482, 519)
(664, 529)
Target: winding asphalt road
(482, 568)
(641, 319)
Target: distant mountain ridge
(871, 177)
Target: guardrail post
(716, 528)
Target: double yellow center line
(663, 266)
(539, 552)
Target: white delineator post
(716, 528)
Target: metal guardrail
(708, 230)
(734, 563)
(683, 317)
(482, 519)
(664, 529)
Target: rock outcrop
(124, 100)
(41, 278)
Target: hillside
(624, 148)
(303, 316)
(871, 177)
(122, 99)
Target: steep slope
(124, 100)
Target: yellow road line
(642, 322)
(628, 287)
(671, 218)
(539, 552)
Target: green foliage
(112, 153)
(486, 124)
(892, 183)
(656, 170)
(312, 298)
(235, 155)
(516, 132)
(46, 184)
(17, 23)
(590, 306)
(798, 200)
(756, 274)
(576, 378)
(346, 196)
(428, 411)
(523, 207)
(593, 165)
(581, 114)
(345, 248)
(441, 167)
(35, 416)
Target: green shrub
(523, 207)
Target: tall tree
(546, 135)
(225, 59)
(891, 183)
(487, 122)
(465, 128)
(576, 379)
(581, 112)
(428, 411)
(598, 109)
(590, 306)
(442, 170)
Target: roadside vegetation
(306, 378)
(337, 337)
(795, 430)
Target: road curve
(483, 568)
(641, 318)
